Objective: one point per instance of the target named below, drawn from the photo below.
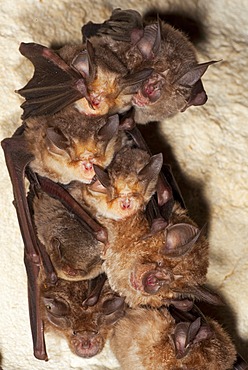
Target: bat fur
(148, 339)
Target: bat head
(128, 183)
(175, 84)
(163, 94)
(165, 267)
(86, 328)
(73, 145)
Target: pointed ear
(56, 141)
(132, 82)
(109, 130)
(201, 293)
(84, 62)
(102, 176)
(195, 74)
(179, 338)
(149, 174)
(149, 44)
(113, 304)
(179, 239)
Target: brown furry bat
(175, 83)
(167, 266)
(94, 77)
(86, 327)
(147, 339)
(67, 145)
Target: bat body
(175, 83)
(74, 251)
(66, 312)
(148, 339)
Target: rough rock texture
(207, 148)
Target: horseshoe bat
(165, 266)
(84, 317)
(94, 78)
(66, 146)
(175, 82)
(153, 339)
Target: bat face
(160, 268)
(126, 186)
(160, 342)
(66, 146)
(86, 328)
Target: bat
(164, 266)
(85, 322)
(175, 83)
(94, 78)
(66, 146)
(153, 339)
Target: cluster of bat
(110, 251)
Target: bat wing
(57, 191)
(123, 25)
(17, 159)
(54, 84)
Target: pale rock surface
(207, 148)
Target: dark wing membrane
(17, 159)
(54, 84)
(123, 25)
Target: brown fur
(86, 328)
(142, 340)
(74, 252)
(83, 146)
(132, 253)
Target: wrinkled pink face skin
(161, 268)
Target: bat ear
(113, 309)
(149, 44)
(103, 178)
(56, 141)
(180, 338)
(113, 304)
(56, 307)
(84, 62)
(149, 174)
(203, 293)
(194, 74)
(179, 239)
(132, 82)
(109, 130)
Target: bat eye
(56, 307)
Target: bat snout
(154, 280)
(86, 343)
